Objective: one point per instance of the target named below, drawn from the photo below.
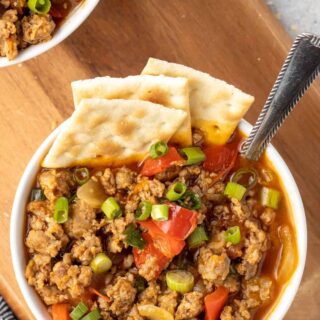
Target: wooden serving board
(236, 40)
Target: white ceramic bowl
(17, 226)
(78, 15)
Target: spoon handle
(298, 72)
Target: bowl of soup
(31, 27)
(181, 231)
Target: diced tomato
(169, 246)
(214, 303)
(221, 159)
(181, 222)
(154, 166)
(140, 256)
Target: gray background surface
(297, 15)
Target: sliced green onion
(143, 211)
(101, 263)
(111, 208)
(160, 212)
(190, 200)
(234, 190)
(140, 283)
(176, 191)
(180, 280)
(197, 237)
(233, 235)
(270, 197)
(194, 155)
(248, 177)
(158, 149)
(61, 210)
(37, 195)
(93, 315)
(81, 175)
(79, 311)
(39, 6)
(133, 237)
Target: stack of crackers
(116, 120)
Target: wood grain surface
(239, 41)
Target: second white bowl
(78, 15)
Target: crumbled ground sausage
(38, 270)
(168, 301)
(232, 283)
(8, 35)
(190, 306)
(268, 216)
(238, 210)
(37, 28)
(103, 306)
(255, 292)
(52, 295)
(108, 182)
(215, 193)
(226, 313)
(86, 248)
(149, 190)
(122, 295)
(150, 269)
(259, 289)
(255, 244)
(217, 243)
(81, 220)
(207, 182)
(115, 228)
(189, 175)
(144, 190)
(70, 277)
(56, 183)
(213, 268)
(125, 178)
(150, 294)
(38, 275)
(45, 236)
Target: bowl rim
(72, 22)
(280, 306)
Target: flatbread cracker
(168, 91)
(215, 106)
(112, 132)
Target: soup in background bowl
(282, 262)
(39, 32)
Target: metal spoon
(300, 68)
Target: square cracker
(215, 106)
(112, 132)
(168, 91)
